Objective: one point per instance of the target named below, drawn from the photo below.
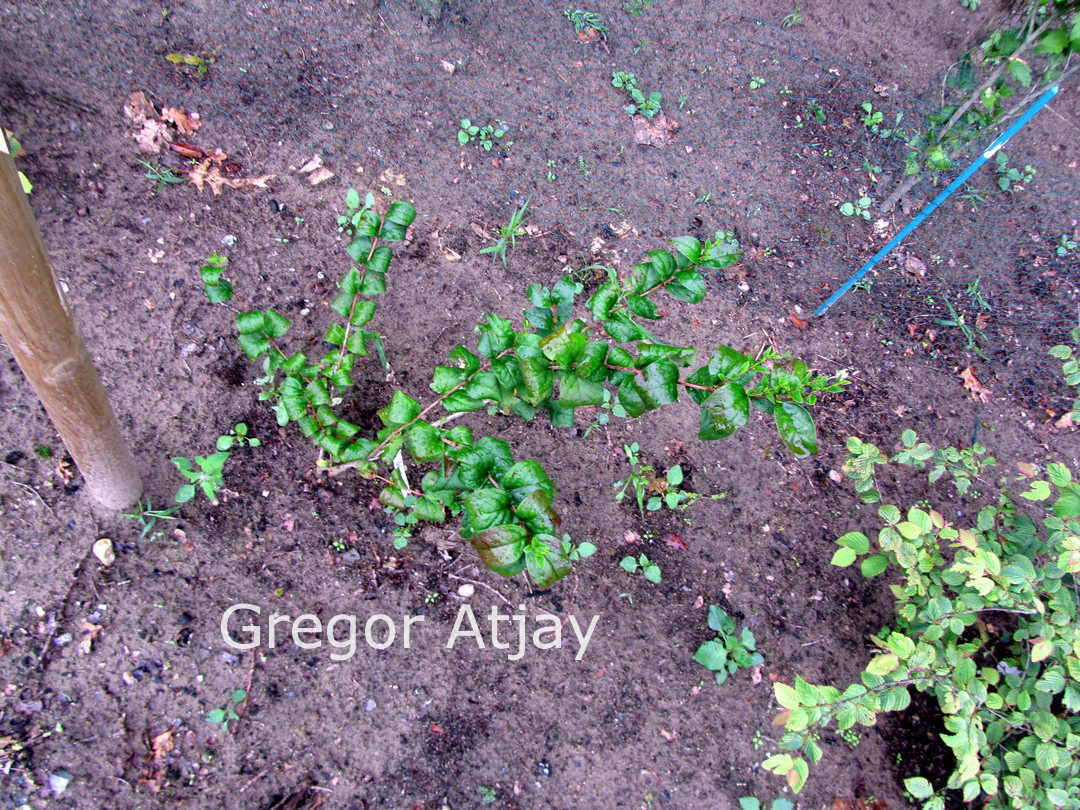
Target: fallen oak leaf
(656, 132)
(151, 136)
(185, 123)
(979, 392)
(250, 182)
(139, 107)
(796, 321)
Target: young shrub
(986, 622)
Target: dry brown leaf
(320, 175)
(670, 736)
(139, 107)
(480, 230)
(185, 123)
(1065, 420)
(390, 176)
(796, 321)
(205, 175)
(313, 164)
(727, 590)
(162, 745)
(981, 320)
(979, 393)
(449, 67)
(915, 266)
(151, 136)
(656, 132)
(675, 540)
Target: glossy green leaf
(724, 411)
(501, 549)
(402, 409)
(796, 429)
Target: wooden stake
(38, 327)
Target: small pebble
(62, 639)
(350, 557)
(228, 240)
(369, 707)
(543, 767)
(59, 780)
(466, 590)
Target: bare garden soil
(107, 673)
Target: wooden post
(38, 327)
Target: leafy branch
(556, 362)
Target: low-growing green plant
(586, 22)
(757, 82)
(642, 564)
(790, 21)
(986, 622)
(1065, 245)
(561, 358)
(485, 135)
(487, 794)
(729, 651)
(217, 289)
(1070, 367)
(643, 479)
(1009, 178)
(147, 516)
(508, 234)
(873, 119)
(579, 551)
(161, 176)
(641, 104)
(200, 63)
(859, 208)
(636, 7)
(204, 473)
(227, 714)
(964, 465)
(237, 437)
(813, 106)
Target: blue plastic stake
(944, 195)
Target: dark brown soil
(636, 723)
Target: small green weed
(727, 652)
(636, 7)
(487, 794)
(1065, 245)
(207, 476)
(757, 82)
(792, 19)
(237, 437)
(859, 207)
(1010, 178)
(161, 176)
(581, 551)
(147, 516)
(508, 234)
(486, 135)
(227, 714)
(648, 569)
(587, 24)
(647, 106)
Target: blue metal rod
(944, 195)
